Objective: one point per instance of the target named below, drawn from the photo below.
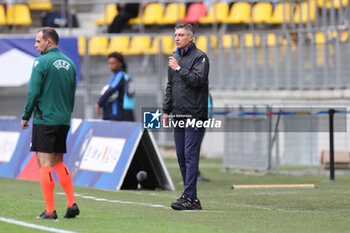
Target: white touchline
(118, 201)
(136, 203)
(34, 226)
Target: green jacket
(51, 89)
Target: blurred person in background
(126, 11)
(112, 95)
(129, 97)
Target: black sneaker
(181, 198)
(47, 216)
(72, 211)
(182, 204)
(196, 205)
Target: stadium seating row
(143, 44)
(19, 14)
(240, 12)
(154, 13)
(101, 45)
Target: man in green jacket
(51, 94)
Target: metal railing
(296, 59)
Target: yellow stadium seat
(262, 12)
(40, 5)
(18, 14)
(110, 13)
(98, 45)
(202, 43)
(119, 44)
(213, 41)
(217, 14)
(2, 15)
(249, 40)
(173, 13)
(239, 13)
(154, 49)
(319, 38)
(138, 45)
(227, 41)
(153, 12)
(328, 3)
(168, 45)
(306, 7)
(320, 54)
(271, 40)
(281, 13)
(236, 40)
(136, 20)
(81, 46)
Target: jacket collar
(189, 48)
(52, 50)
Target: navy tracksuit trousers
(188, 142)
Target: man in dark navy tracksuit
(186, 98)
(112, 95)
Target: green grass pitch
(325, 209)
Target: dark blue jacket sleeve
(114, 86)
(197, 76)
(168, 103)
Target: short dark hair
(50, 33)
(119, 57)
(188, 27)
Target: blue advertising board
(100, 154)
(17, 56)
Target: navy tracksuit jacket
(112, 99)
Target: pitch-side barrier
(100, 154)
